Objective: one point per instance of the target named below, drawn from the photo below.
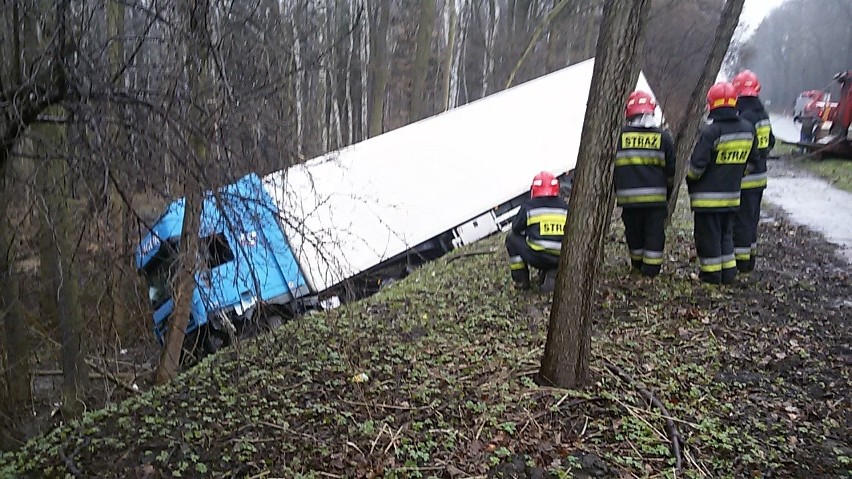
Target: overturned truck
(340, 226)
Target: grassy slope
(750, 373)
(838, 172)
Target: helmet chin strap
(645, 120)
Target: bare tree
(379, 67)
(17, 340)
(686, 135)
(197, 56)
(568, 347)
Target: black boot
(549, 283)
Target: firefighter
(726, 150)
(644, 177)
(536, 236)
(751, 109)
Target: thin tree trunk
(687, 133)
(535, 36)
(450, 17)
(381, 70)
(350, 127)
(490, 33)
(366, 61)
(324, 117)
(17, 342)
(196, 55)
(426, 25)
(463, 9)
(568, 347)
(299, 74)
(61, 283)
(118, 284)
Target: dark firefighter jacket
(644, 167)
(751, 110)
(726, 150)
(542, 221)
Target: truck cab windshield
(158, 273)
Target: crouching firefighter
(536, 236)
(644, 173)
(754, 182)
(716, 168)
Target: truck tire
(214, 340)
(274, 322)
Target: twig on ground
(69, 460)
(674, 434)
(107, 374)
(378, 436)
(392, 442)
(385, 406)
(469, 254)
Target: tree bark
(545, 23)
(380, 69)
(366, 61)
(687, 133)
(426, 25)
(450, 16)
(61, 293)
(118, 281)
(17, 340)
(299, 74)
(197, 59)
(568, 347)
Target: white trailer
(433, 185)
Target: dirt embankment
(756, 377)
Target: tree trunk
(59, 277)
(350, 127)
(545, 23)
(118, 281)
(17, 341)
(450, 16)
(425, 27)
(197, 55)
(299, 74)
(687, 134)
(568, 347)
(366, 61)
(463, 8)
(491, 22)
(380, 69)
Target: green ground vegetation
(435, 377)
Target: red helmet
(721, 94)
(639, 102)
(544, 184)
(746, 83)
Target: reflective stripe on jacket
(725, 148)
(542, 222)
(751, 109)
(644, 167)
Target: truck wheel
(214, 341)
(274, 322)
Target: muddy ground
(755, 376)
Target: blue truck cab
(245, 272)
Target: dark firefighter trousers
(745, 228)
(521, 257)
(645, 232)
(714, 242)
